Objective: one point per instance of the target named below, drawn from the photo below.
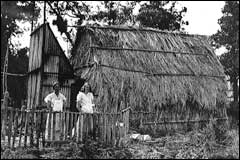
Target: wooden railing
(28, 127)
(144, 121)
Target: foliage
(156, 15)
(11, 13)
(228, 36)
(18, 63)
(115, 13)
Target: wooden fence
(28, 128)
(165, 122)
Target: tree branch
(58, 14)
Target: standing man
(56, 101)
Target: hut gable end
(47, 63)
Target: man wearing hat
(56, 101)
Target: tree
(115, 13)
(109, 12)
(228, 36)
(63, 10)
(155, 14)
(13, 12)
(17, 85)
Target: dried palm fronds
(149, 67)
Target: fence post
(26, 129)
(15, 124)
(4, 120)
(21, 125)
(31, 126)
(77, 128)
(53, 126)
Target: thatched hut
(150, 70)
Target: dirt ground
(199, 144)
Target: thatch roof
(148, 67)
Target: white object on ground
(135, 136)
(146, 138)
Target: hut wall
(55, 67)
(35, 60)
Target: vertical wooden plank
(10, 127)
(40, 41)
(61, 125)
(67, 123)
(43, 128)
(98, 122)
(38, 98)
(75, 119)
(81, 127)
(64, 125)
(15, 126)
(77, 128)
(49, 132)
(72, 124)
(85, 126)
(37, 125)
(33, 77)
(31, 52)
(31, 126)
(54, 126)
(4, 121)
(28, 88)
(23, 113)
(26, 129)
(35, 50)
(93, 117)
(59, 117)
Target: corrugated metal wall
(55, 68)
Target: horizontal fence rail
(168, 120)
(41, 127)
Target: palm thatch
(148, 68)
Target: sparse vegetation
(204, 143)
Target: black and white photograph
(119, 79)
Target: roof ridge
(135, 28)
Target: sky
(202, 17)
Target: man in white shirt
(55, 102)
